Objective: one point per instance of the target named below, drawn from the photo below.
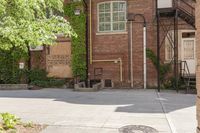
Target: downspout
(145, 54)
(131, 52)
(131, 19)
(91, 55)
(119, 60)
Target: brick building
(112, 34)
(116, 39)
(198, 60)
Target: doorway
(188, 53)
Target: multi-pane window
(169, 50)
(112, 16)
(189, 50)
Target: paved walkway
(102, 112)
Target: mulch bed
(21, 128)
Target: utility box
(165, 3)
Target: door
(189, 53)
(58, 60)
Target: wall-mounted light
(77, 12)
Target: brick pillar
(198, 62)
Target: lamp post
(132, 18)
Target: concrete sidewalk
(106, 111)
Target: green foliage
(39, 78)
(9, 72)
(27, 23)
(164, 68)
(37, 75)
(49, 83)
(78, 23)
(29, 125)
(9, 120)
(31, 22)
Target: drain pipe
(91, 55)
(131, 52)
(145, 54)
(132, 18)
(119, 60)
(144, 48)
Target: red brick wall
(38, 59)
(198, 61)
(115, 46)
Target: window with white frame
(112, 16)
(169, 46)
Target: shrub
(165, 68)
(48, 83)
(37, 75)
(9, 72)
(9, 120)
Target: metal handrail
(185, 72)
(184, 69)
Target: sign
(21, 65)
(36, 48)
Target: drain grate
(137, 129)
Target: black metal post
(158, 46)
(29, 62)
(176, 50)
(86, 41)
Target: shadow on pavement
(131, 101)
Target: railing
(185, 74)
(185, 6)
(184, 69)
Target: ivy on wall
(165, 68)
(9, 67)
(78, 23)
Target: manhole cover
(137, 129)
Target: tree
(31, 23)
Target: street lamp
(132, 18)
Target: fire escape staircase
(185, 11)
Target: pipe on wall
(131, 52)
(119, 60)
(91, 55)
(145, 55)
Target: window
(169, 46)
(112, 16)
(188, 47)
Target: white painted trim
(195, 57)
(183, 31)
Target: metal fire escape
(168, 20)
